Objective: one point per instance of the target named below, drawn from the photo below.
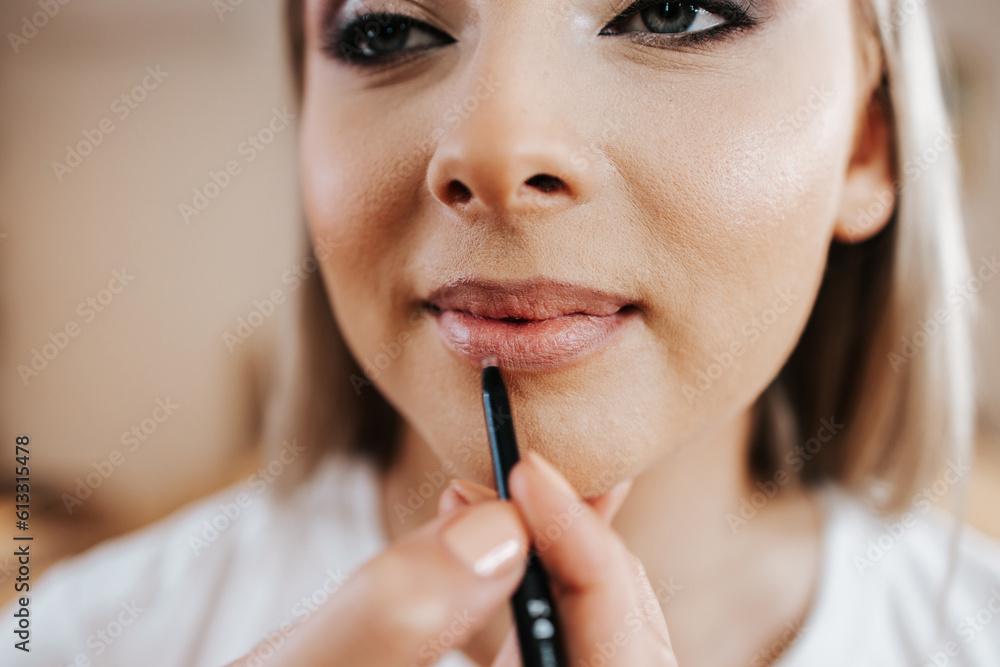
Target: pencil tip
(490, 361)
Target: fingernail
(450, 501)
(469, 492)
(620, 490)
(553, 476)
(617, 495)
(488, 539)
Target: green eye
(681, 20)
(672, 18)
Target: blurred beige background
(160, 337)
(148, 351)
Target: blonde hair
(876, 353)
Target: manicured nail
(608, 503)
(450, 501)
(488, 539)
(471, 493)
(553, 476)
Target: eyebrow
(331, 8)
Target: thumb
(509, 654)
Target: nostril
(545, 183)
(458, 193)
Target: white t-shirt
(204, 585)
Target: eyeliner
(538, 630)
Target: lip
(528, 325)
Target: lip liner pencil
(538, 631)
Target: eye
(375, 38)
(698, 20)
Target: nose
(514, 153)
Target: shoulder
(907, 553)
(909, 588)
(180, 570)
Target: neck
(682, 519)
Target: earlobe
(870, 188)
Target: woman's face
(687, 164)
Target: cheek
(355, 173)
(740, 198)
(723, 208)
(360, 174)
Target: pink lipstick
(535, 325)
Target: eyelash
(340, 40)
(736, 17)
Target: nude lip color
(534, 345)
(540, 324)
(538, 630)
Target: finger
(601, 595)
(461, 493)
(430, 592)
(648, 599)
(608, 503)
(509, 654)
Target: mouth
(528, 325)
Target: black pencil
(538, 630)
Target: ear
(869, 194)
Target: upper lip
(538, 299)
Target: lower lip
(536, 345)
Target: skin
(704, 182)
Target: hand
(608, 610)
(435, 587)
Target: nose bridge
(511, 145)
